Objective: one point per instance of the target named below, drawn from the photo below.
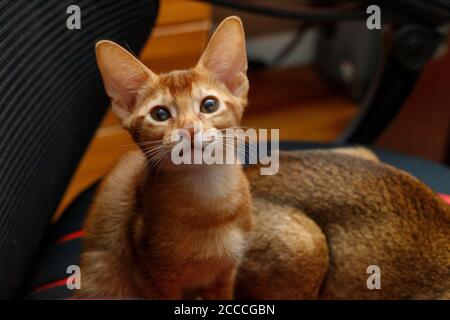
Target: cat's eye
(160, 113)
(209, 105)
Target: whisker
(240, 150)
(153, 155)
(134, 144)
(161, 162)
(148, 151)
(240, 127)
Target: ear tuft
(225, 57)
(123, 76)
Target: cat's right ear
(225, 57)
(123, 76)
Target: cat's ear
(225, 57)
(123, 75)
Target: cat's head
(151, 106)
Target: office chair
(51, 102)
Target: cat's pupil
(160, 114)
(209, 105)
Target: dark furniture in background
(416, 29)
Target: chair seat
(62, 246)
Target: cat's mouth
(194, 148)
(198, 148)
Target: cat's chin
(195, 168)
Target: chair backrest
(51, 102)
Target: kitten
(181, 232)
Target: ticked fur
(158, 230)
(370, 213)
(185, 231)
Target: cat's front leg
(223, 287)
(163, 292)
(160, 284)
(102, 277)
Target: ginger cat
(182, 234)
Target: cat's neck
(200, 197)
(204, 185)
(212, 183)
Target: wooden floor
(296, 101)
(299, 103)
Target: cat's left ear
(225, 57)
(123, 76)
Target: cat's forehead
(180, 82)
(178, 89)
(182, 85)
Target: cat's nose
(192, 132)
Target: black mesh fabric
(51, 101)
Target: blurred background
(308, 81)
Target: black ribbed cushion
(51, 102)
(62, 248)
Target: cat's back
(342, 189)
(115, 199)
(371, 214)
(106, 257)
(322, 180)
(126, 174)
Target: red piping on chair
(445, 197)
(50, 285)
(71, 236)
